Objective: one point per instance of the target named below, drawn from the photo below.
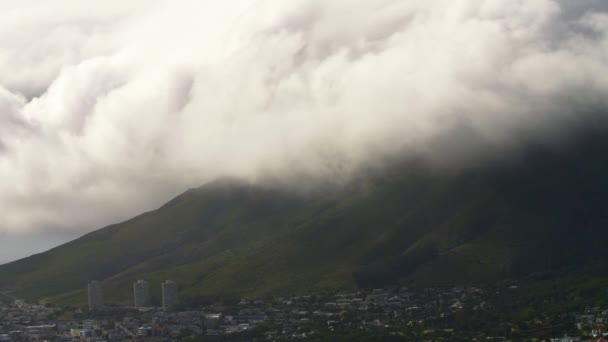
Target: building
(141, 293)
(169, 289)
(212, 321)
(40, 332)
(144, 331)
(95, 295)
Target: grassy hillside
(539, 217)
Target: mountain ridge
(538, 217)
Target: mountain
(541, 215)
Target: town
(428, 314)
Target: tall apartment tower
(95, 295)
(141, 293)
(169, 289)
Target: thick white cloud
(110, 108)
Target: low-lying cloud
(110, 108)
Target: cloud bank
(110, 108)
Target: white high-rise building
(169, 289)
(141, 293)
(95, 295)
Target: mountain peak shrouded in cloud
(108, 112)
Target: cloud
(108, 112)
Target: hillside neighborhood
(432, 314)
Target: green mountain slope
(541, 216)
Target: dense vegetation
(541, 217)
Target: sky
(109, 109)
